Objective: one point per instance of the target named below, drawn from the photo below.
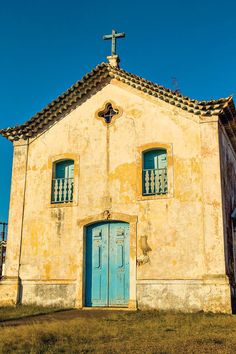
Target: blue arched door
(107, 264)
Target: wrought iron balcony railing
(62, 190)
(155, 181)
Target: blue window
(154, 176)
(63, 181)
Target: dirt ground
(62, 315)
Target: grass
(125, 332)
(17, 312)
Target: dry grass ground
(124, 332)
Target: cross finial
(113, 36)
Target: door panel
(97, 266)
(107, 264)
(119, 264)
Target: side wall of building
(228, 173)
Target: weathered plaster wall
(178, 226)
(228, 173)
(182, 295)
(212, 198)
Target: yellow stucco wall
(184, 229)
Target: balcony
(62, 190)
(155, 181)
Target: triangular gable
(102, 75)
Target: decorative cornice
(102, 75)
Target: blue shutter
(60, 169)
(149, 159)
(64, 169)
(155, 159)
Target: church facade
(123, 195)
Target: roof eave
(228, 120)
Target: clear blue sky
(48, 45)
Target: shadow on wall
(20, 292)
(233, 299)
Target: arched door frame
(83, 224)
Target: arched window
(63, 181)
(155, 172)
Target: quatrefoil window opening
(108, 113)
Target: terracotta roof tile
(101, 75)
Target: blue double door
(107, 264)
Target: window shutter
(70, 170)
(60, 169)
(149, 158)
(155, 159)
(64, 169)
(161, 160)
